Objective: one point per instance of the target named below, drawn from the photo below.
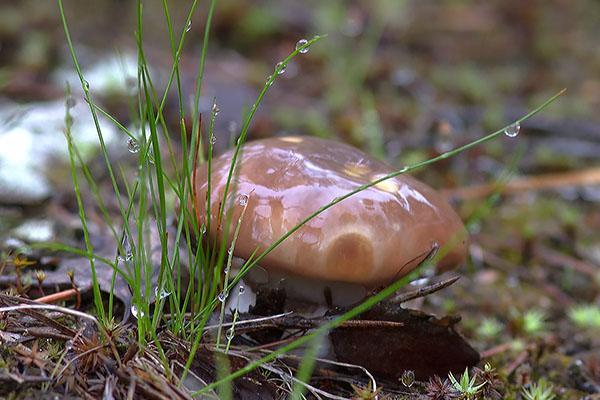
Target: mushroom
(366, 241)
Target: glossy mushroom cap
(371, 238)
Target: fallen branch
(584, 177)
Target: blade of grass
(82, 217)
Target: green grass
(585, 316)
(540, 390)
(466, 386)
(144, 201)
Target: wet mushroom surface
(369, 239)
(366, 241)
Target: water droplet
(126, 246)
(230, 333)
(512, 130)
(69, 345)
(132, 145)
(162, 294)
(86, 84)
(280, 68)
(136, 313)
(222, 296)
(419, 282)
(213, 139)
(226, 270)
(408, 378)
(188, 27)
(242, 289)
(299, 44)
(270, 80)
(215, 109)
(120, 259)
(243, 199)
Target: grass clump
(540, 390)
(466, 386)
(585, 316)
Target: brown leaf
(424, 344)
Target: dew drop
(280, 68)
(86, 84)
(230, 333)
(126, 246)
(222, 296)
(162, 294)
(215, 109)
(512, 130)
(419, 282)
(213, 139)
(132, 145)
(299, 44)
(188, 27)
(243, 199)
(136, 313)
(408, 378)
(242, 289)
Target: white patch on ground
(32, 138)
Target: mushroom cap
(371, 238)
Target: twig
(501, 348)
(63, 310)
(585, 177)
(520, 359)
(55, 297)
(424, 291)
(6, 299)
(554, 257)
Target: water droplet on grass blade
(188, 27)
(222, 296)
(86, 84)
(512, 130)
(136, 313)
(280, 68)
(215, 109)
(242, 289)
(162, 294)
(300, 44)
(132, 145)
(213, 139)
(125, 252)
(230, 333)
(243, 199)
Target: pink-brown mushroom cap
(371, 238)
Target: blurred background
(403, 80)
